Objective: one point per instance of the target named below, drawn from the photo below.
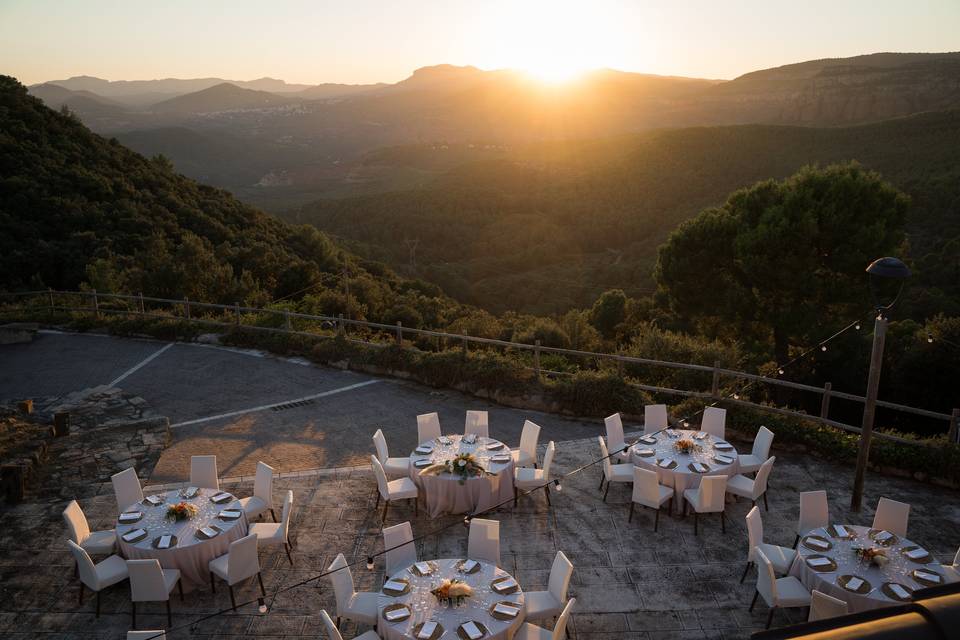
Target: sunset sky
(368, 41)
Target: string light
(857, 326)
(736, 396)
(930, 338)
(780, 370)
(263, 605)
(558, 485)
(823, 347)
(466, 521)
(370, 563)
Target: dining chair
(334, 634)
(892, 516)
(526, 455)
(785, 592)
(401, 552)
(613, 472)
(149, 582)
(655, 418)
(239, 563)
(99, 576)
(93, 542)
(390, 490)
(276, 534)
(550, 603)
(527, 479)
(262, 499)
(428, 427)
(814, 513)
(358, 606)
(780, 557)
(614, 425)
(158, 634)
(752, 488)
(648, 492)
(532, 632)
(393, 467)
(750, 462)
(478, 423)
(823, 606)
(714, 422)
(203, 472)
(707, 498)
(126, 487)
(483, 541)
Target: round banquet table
(191, 554)
(681, 476)
(424, 606)
(444, 493)
(899, 569)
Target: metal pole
(399, 333)
(825, 401)
(186, 307)
(869, 410)
(96, 304)
(953, 435)
(536, 358)
(50, 295)
(143, 309)
(286, 320)
(236, 310)
(715, 384)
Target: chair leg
(376, 506)
(274, 515)
(416, 506)
(233, 602)
(76, 570)
(337, 623)
(516, 496)
(180, 589)
(133, 624)
(745, 570)
(386, 504)
(696, 523)
(263, 591)
(656, 521)
(547, 490)
(98, 604)
(796, 541)
(213, 585)
(169, 614)
(607, 491)
(765, 505)
(81, 594)
(286, 546)
(602, 478)
(770, 617)
(723, 522)
(753, 602)
(670, 506)
(632, 503)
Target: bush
(595, 393)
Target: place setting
(165, 541)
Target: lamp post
(883, 273)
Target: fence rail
(185, 308)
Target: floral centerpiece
(452, 592)
(181, 511)
(686, 446)
(466, 466)
(872, 555)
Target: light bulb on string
(466, 521)
(370, 563)
(780, 370)
(857, 326)
(929, 338)
(558, 485)
(736, 396)
(263, 605)
(823, 347)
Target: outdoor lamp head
(887, 276)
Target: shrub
(595, 393)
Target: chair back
(814, 512)
(483, 542)
(956, 559)
(892, 516)
(646, 487)
(605, 454)
(243, 560)
(754, 532)
(342, 579)
(762, 443)
(654, 417)
(401, 551)
(332, 632)
(529, 438)
(766, 580)
(287, 514)
(763, 475)
(381, 477)
(560, 629)
(548, 460)
(428, 427)
(477, 422)
(146, 581)
(203, 472)
(714, 421)
(823, 606)
(380, 443)
(159, 634)
(712, 493)
(76, 522)
(263, 483)
(126, 486)
(614, 431)
(560, 573)
(85, 566)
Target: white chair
(533, 632)
(527, 479)
(334, 634)
(401, 552)
(393, 467)
(93, 542)
(823, 606)
(777, 592)
(780, 557)
(149, 582)
(126, 487)
(276, 534)
(159, 634)
(358, 606)
(892, 516)
(814, 513)
(750, 462)
(262, 499)
(648, 492)
(483, 542)
(389, 490)
(478, 423)
(714, 422)
(549, 603)
(99, 576)
(752, 488)
(203, 472)
(707, 498)
(613, 472)
(615, 438)
(655, 418)
(238, 564)
(428, 427)
(526, 455)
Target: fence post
(286, 319)
(96, 304)
(715, 385)
(340, 327)
(954, 434)
(186, 307)
(143, 309)
(536, 358)
(619, 367)
(399, 333)
(825, 401)
(50, 298)
(236, 309)
(463, 347)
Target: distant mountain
(221, 97)
(332, 90)
(170, 86)
(54, 96)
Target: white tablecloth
(682, 477)
(445, 493)
(897, 570)
(191, 555)
(424, 605)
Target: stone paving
(630, 583)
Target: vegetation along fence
(319, 326)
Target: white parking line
(142, 363)
(275, 404)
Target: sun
(556, 71)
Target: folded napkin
(189, 492)
(221, 497)
(723, 446)
(818, 543)
(917, 553)
(209, 532)
(700, 435)
(926, 575)
(423, 462)
(133, 535)
(424, 568)
(883, 536)
(444, 440)
(841, 531)
(164, 541)
(506, 609)
(900, 591)
(723, 459)
(500, 458)
(819, 562)
(505, 584)
(394, 585)
(426, 631)
(424, 450)
(154, 500)
(700, 467)
(397, 614)
(648, 440)
(130, 516)
(645, 452)
(666, 462)
(472, 630)
(854, 583)
(467, 565)
(493, 446)
(230, 513)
